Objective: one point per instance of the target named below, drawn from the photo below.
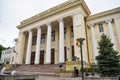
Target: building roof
(105, 13)
(54, 10)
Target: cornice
(105, 13)
(54, 10)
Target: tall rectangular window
(53, 36)
(72, 32)
(101, 27)
(43, 38)
(73, 55)
(34, 40)
(65, 53)
(64, 33)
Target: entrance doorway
(41, 57)
(65, 53)
(32, 58)
(52, 56)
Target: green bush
(90, 69)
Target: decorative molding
(39, 27)
(76, 13)
(105, 13)
(55, 10)
(117, 18)
(61, 19)
(91, 25)
(48, 24)
(21, 32)
(30, 30)
(108, 20)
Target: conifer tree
(108, 59)
(1, 48)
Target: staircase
(47, 69)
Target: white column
(29, 45)
(117, 26)
(11, 56)
(3, 56)
(111, 33)
(48, 47)
(61, 41)
(37, 54)
(94, 44)
(20, 47)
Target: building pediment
(59, 8)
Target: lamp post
(60, 67)
(81, 42)
(93, 67)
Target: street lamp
(81, 42)
(93, 67)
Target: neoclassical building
(50, 37)
(7, 56)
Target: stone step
(47, 69)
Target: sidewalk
(57, 78)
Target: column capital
(116, 18)
(109, 20)
(21, 32)
(30, 30)
(39, 27)
(91, 25)
(76, 13)
(61, 19)
(72, 15)
(49, 23)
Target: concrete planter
(101, 78)
(63, 74)
(19, 77)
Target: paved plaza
(57, 78)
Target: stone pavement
(77, 78)
(57, 78)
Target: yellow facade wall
(74, 16)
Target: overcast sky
(12, 12)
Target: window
(73, 55)
(72, 32)
(64, 33)
(65, 53)
(34, 40)
(43, 38)
(101, 28)
(53, 36)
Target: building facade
(7, 56)
(50, 37)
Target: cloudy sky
(12, 12)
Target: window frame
(42, 39)
(72, 32)
(53, 36)
(64, 33)
(34, 38)
(101, 28)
